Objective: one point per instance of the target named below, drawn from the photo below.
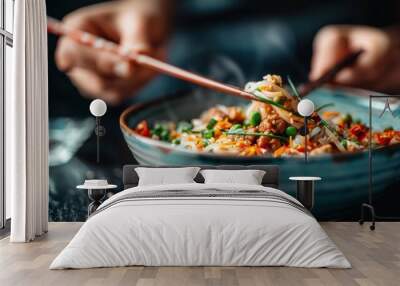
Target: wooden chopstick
(58, 28)
(330, 74)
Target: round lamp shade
(305, 107)
(98, 107)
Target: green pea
(212, 123)
(158, 128)
(255, 118)
(208, 134)
(291, 131)
(164, 136)
(184, 126)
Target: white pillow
(248, 177)
(164, 176)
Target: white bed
(245, 225)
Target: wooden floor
(375, 257)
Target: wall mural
(184, 124)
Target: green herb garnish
(164, 136)
(389, 128)
(212, 123)
(324, 106)
(344, 143)
(271, 102)
(158, 129)
(279, 99)
(208, 134)
(333, 131)
(348, 119)
(235, 127)
(184, 126)
(294, 89)
(240, 132)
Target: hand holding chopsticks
(84, 38)
(330, 74)
(87, 39)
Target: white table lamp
(305, 108)
(98, 108)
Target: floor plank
(375, 257)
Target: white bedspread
(185, 231)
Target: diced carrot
(278, 152)
(330, 114)
(217, 132)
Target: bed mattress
(201, 225)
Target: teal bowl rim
(128, 131)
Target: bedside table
(96, 192)
(305, 190)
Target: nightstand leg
(96, 197)
(92, 207)
(305, 193)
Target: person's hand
(140, 26)
(378, 68)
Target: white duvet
(200, 231)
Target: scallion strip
(324, 106)
(271, 135)
(271, 102)
(326, 125)
(296, 93)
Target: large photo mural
(269, 51)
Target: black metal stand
(99, 131)
(369, 206)
(373, 216)
(96, 196)
(305, 139)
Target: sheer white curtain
(27, 124)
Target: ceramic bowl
(344, 182)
